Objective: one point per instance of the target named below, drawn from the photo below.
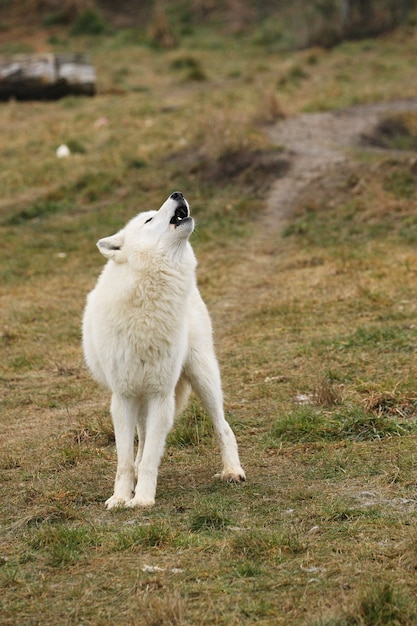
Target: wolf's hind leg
(203, 372)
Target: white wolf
(147, 337)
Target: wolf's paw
(115, 502)
(232, 476)
(140, 503)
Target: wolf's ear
(112, 247)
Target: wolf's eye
(148, 220)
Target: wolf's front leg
(158, 424)
(124, 414)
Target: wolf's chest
(145, 354)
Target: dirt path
(315, 143)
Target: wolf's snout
(182, 209)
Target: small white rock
(303, 398)
(152, 568)
(63, 151)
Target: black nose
(177, 195)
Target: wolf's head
(164, 231)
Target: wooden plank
(46, 76)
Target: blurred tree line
(276, 23)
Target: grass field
(315, 325)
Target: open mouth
(181, 215)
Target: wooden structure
(46, 76)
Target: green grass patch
(382, 605)
(209, 520)
(310, 424)
(90, 22)
(386, 338)
(402, 184)
(192, 429)
(190, 66)
(264, 546)
(142, 536)
(63, 545)
(35, 211)
(334, 227)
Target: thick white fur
(147, 337)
